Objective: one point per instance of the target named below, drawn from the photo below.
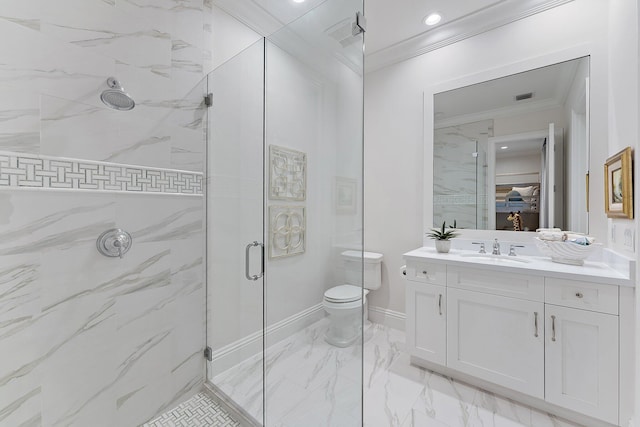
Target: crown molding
(487, 19)
(502, 112)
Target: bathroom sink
(495, 259)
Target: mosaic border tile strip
(18, 170)
(199, 411)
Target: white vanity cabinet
(554, 341)
(496, 338)
(581, 361)
(427, 330)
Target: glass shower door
(235, 231)
(314, 181)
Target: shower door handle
(246, 261)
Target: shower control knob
(114, 243)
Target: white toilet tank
(372, 269)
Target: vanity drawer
(427, 272)
(512, 285)
(584, 295)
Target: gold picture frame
(618, 185)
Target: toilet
(345, 304)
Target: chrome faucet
(496, 247)
(482, 250)
(512, 249)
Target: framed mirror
(512, 153)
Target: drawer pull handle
(579, 294)
(553, 328)
(535, 322)
(440, 304)
(424, 272)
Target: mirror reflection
(512, 153)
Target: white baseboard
(251, 345)
(390, 318)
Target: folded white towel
(555, 235)
(551, 235)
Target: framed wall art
(618, 185)
(346, 195)
(287, 228)
(287, 174)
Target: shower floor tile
(199, 411)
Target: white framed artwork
(346, 195)
(287, 231)
(287, 174)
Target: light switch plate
(629, 240)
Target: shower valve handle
(114, 243)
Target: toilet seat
(344, 294)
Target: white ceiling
(496, 98)
(390, 22)
(395, 28)
(520, 148)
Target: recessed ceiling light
(433, 19)
(504, 147)
(298, 1)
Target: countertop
(595, 272)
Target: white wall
(518, 164)
(623, 108)
(394, 131)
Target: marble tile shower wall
(86, 339)
(456, 192)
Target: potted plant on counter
(442, 237)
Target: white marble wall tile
(20, 382)
(25, 13)
(105, 31)
(207, 28)
(164, 220)
(137, 404)
(83, 323)
(80, 321)
(83, 131)
(455, 172)
(20, 118)
(39, 222)
(77, 383)
(48, 65)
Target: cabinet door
(498, 339)
(426, 321)
(582, 361)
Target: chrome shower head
(116, 97)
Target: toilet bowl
(346, 304)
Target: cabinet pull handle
(424, 272)
(553, 328)
(579, 294)
(440, 304)
(535, 322)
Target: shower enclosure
(138, 229)
(284, 200)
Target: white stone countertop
(591, 271)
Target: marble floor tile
(311, 383)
